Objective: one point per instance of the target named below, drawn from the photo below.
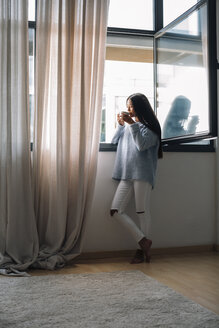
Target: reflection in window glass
(127, 70)
(189, 26)
(171, 11)
(182, 82)
(136, 14)
(31, 10)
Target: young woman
(139, 147)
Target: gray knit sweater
(136, 157)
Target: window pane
(31, 79)
(128, 69)
(31, 10)
(136, 14)
(189, 26)
(182, 81)
(171, 11)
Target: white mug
(124, 112)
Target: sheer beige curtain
(70, 51)
(44, 207)
(18, 234)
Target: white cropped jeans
(141, 190)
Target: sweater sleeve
(144, 138)
(118, 134)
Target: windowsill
(170, 148)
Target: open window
(174, 66)
(186, 98)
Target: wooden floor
(194, 275)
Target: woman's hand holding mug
(120, 119)
(126, 117)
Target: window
(182, 67)
(182, 59)
(171, 11)
(184, 97)
(31, 78)
(32, 31)
(31, 10)
(157, 63)
(131, 14)
(128, 69)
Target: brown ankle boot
(145, 246)
(138, 257)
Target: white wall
(182, 204)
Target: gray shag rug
(100, 300)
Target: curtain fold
(18, 234)
(43, 219)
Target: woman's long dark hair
(146, 115)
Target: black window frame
(181, 144)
